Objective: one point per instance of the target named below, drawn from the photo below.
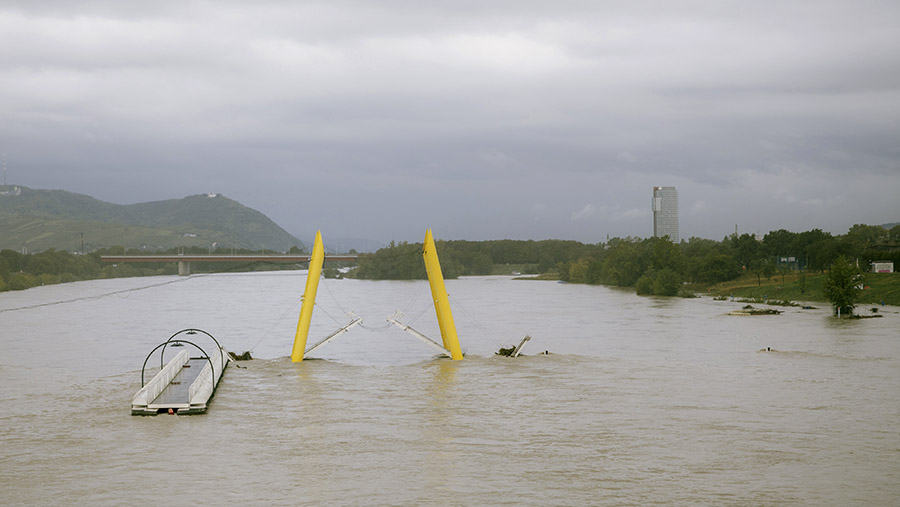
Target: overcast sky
(481, 120)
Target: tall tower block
(665, 213)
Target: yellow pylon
(309, 299)
(439, 295)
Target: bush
(666, 283)
(22, 281)
(47, 279)
(644, 285)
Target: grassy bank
(879, 286)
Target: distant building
(787, 262)
(882, 266)
(665, 213)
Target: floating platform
(184, 385)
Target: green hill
(42, 219)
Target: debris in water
(505, 351)
(513, 351)
(240, 357)
(750, 310)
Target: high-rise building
(665, 213)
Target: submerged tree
(842, 286)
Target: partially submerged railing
(202, 388)
(150, 391)
(202, 385)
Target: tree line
(657, 266)
(403, 261)
(19, 271)
(651, 265)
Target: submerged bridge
(184, 260)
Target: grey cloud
(380, 119)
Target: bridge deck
(220, 258)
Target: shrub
(644, 285)
(22, 281)
(666, 283)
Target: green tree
(644, 285)
(780, 243)
(14, 260)
(768, 268)
(867, 235)
(22, 281)
(746, 249)
(894, 234)
(666, 282)
(718, 268)
(624, 264)
(578, 271)
(665, 254)
(814, 246)
(842, 286)
(5, 270)
(481, 264)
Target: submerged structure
(187, 383)
(447, 326)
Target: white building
(882, 266)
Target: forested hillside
(34, 220)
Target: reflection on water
(642, 400)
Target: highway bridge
(184, 260)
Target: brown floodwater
(640, 401)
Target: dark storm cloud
(479, 119)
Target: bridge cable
(332, 317)
(412, 302)
(328, 288)
(99, 296)
(415, 297)
(423, 312)
(484, 330)
(275, 324)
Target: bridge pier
(184, 268)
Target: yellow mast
(309, 299)
(439, 295)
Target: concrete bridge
(184, 260)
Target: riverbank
(879, 288)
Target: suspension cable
(100, 296)
(414, 319)
(329, 315)
(372, 328)
(328, 288)
(415, 297)
(475, 321)
(275, 324)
